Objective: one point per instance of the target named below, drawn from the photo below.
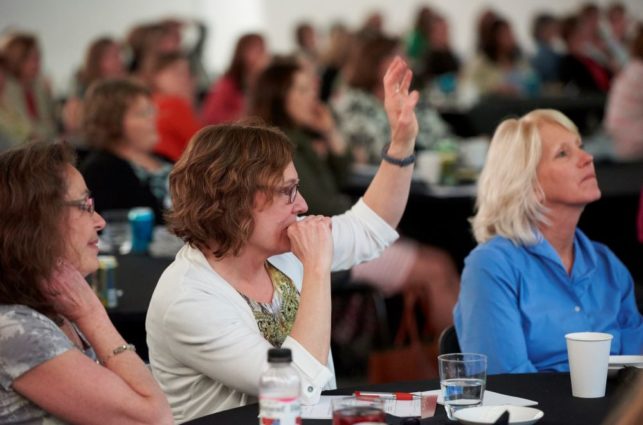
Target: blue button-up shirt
(517, 303)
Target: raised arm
(389, 191)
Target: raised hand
(399, 104)
(312, 242)
(70, 293)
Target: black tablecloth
(551, 390)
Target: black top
(575, 73)
(114, 185)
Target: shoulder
(498, 259)
(27, 339)
(495, 250)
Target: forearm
(104, 338)
(312, 324)
(388, 193)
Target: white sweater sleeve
(229, 350)
(359, 235)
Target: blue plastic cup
(142, 222)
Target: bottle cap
(279, 355)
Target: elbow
(157, 412)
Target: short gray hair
(509, 200)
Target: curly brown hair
(213, 185)
(106, 104)
(32, 194)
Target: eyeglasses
(85, 204)
(289, 191)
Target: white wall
(66, 26)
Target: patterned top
(275, 319)
(27, 339)
(364, 124)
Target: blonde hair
(510, 199)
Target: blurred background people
(148, 40)
(500, 68)
(173, 93)
(226, 100)
(624, 109)
(534, 275)
(120, 127)
(441, 64)
(15, 127)
(360, 108)
(103, 59)
(418, 41)
(25, 88)
(578, 70)
(306, 42)
(62, 359)
(333, 59)
(546, 60)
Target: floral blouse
(275, 319)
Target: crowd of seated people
(250, 275)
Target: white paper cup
(589, 354)
(429, 166)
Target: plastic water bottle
(279, 390)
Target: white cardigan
(206, 350)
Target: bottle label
(279, 411)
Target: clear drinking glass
(463, 377)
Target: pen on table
(386, 396)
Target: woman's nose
(300, 206)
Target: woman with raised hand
(254, 274)
(62, 359)
(286, 96)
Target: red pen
(386, 396)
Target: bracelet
(396, 161)
(119, 350)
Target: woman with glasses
(62, 359)
(254, 274)
(122, 171)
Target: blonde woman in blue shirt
(534, 275)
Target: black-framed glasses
(86, 204)
(289, 191)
